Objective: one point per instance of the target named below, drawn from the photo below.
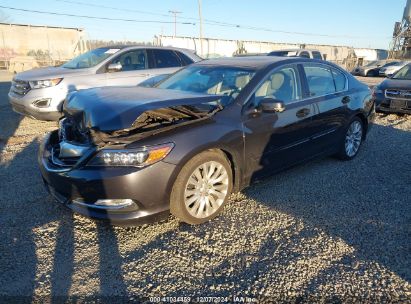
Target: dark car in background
(393, 95)
(132, 154)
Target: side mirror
(114, 67)
(271, 105)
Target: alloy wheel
(353, 138)
(206, 189)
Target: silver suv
(39, 93)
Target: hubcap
(206, 189)
(353, 138)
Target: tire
(352, 140)
(198, 205)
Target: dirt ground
(327, 230)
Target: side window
(184, 58)
(317, 55)
(320, 80)
(340, 80)
(165, 59)
(283, 84)
(132, 60)
(304, 54)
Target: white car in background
(40, 93)
(392, 69)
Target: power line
(92, 17)
(222, 24)
(209, 22)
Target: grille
(20, 87)
(398, 94)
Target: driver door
(277, 140)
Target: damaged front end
(88, 128)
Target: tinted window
(320, 80)
(165, 59)
(184, 58)
(339, 79)
(283, 84)
(132, 60)
(304, 54)
(317, 55)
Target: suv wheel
(202, 188)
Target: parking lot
(325, 230)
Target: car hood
(390, 83)
(109, 109)
(50, 73)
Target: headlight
(39, 84)
(376, 90)
(131, 158)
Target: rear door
(328, 90)
(134, 70)
(277, 140)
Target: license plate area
(398, 104)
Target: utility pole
(175, 20)
(201, 27)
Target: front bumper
(80, 187)
(386, 105)
(24, 104)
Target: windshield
(403, 73)
(212, 80)
(89, 59)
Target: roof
(124, 46)
(249, 61)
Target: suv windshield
(403, 73)
(212, 80)
(89, 59)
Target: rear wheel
(202, 188)
(352, 140)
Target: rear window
(317, 55)
(166, 59)
(320, 80)
(184, 58)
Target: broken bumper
(80, 189)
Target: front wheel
(352, 140)
(202, 188)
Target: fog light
(114, 203)
(42, 103)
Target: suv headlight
(39, 84)
(131, 157)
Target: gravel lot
(327, 230)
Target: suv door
(134, 68)
(276, 140)
(328, 89)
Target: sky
(357, 23)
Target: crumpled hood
(390, 83)
(110, 109)
(50, 73)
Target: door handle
(302, 113)
(346, 99)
